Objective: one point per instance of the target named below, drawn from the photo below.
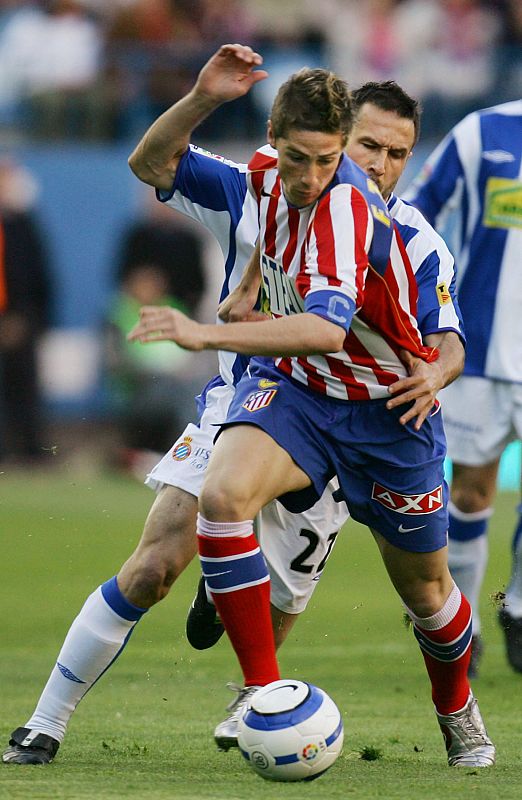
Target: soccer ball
(291, 731)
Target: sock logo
(66, 672)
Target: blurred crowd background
(83, 244)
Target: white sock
(95, 639)
(467, 562)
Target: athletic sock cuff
(119, 604)
(465, 527)
(444, 616)
(206, 527)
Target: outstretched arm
(229, 74)
(299, 334)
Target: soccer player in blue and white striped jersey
(473, 179)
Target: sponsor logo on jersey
(266, 383)
(503, 203)
(204, 152)
(443, 294)
(199, 458)
(258, 400)
(280, 295)
(498, 156)
(183, 449)
(425, 503)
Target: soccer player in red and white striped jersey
(288, 432)
(327, 245)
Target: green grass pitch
(145, 730)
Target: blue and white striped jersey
(433, 266)
(213, 191)
(475, 176)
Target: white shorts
(295, 546)
(481, 417)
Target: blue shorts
(391, 475)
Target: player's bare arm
(229, 74)
(239, 305)
(300, 334)
(425, 380)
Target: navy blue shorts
(391, 476)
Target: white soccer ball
(291, 731)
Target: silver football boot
(225, 734)
(466, 738)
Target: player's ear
(270, 133)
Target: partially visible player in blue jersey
(475, 175)
(213, 191)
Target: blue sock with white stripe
(95, 639)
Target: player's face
(306, 161)
(381, 142)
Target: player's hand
(230, 73)
(420, 387)
(239, 306)
(163, 323)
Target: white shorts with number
(295, 546)
(481, 417)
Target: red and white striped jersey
(343, 251)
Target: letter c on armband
(340, 310)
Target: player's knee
(424, 598)
(470, 497)
(222, 504)
(146, 580)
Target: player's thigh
(246, 470)
(478, 419)
(297, 546)
(185, 464)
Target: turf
(145, 731)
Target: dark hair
(312, 100)
(388, 96)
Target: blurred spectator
(154, 50)
(442, 51)
(367, 40)
(24, 313)
(509, 54)
(50, 62)
(98, 70)
(460, 61)
(151, 387)
(164, 238)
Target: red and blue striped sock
(445, 640)
(237, 577)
